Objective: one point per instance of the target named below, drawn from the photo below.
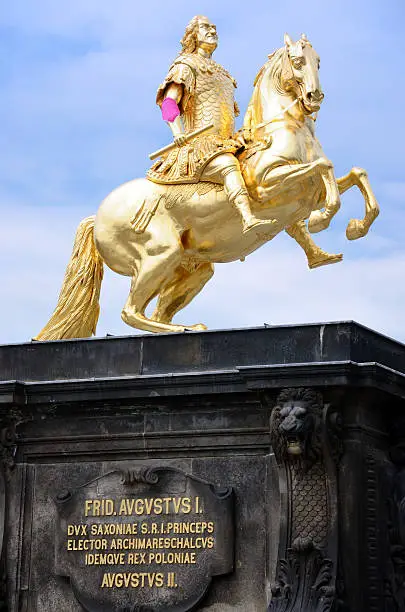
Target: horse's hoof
(355, 229)
(318, 221)
(324, 259)
(198, 327)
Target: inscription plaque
(146, 540)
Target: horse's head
(291, 72)
(300, 72)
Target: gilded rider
(198, 92)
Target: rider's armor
(208, 98)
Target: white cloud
(273, 285)
(75, 125)
(276, 287)
(395, 190)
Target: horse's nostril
(315, 96)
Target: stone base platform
(271, 461)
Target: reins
(284, 110)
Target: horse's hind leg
(179, 292)
(320, 219)
(155, 270)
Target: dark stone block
(318, 493)
(198, 352)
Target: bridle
(299, 98)
(280, 114)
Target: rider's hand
(240, 138)
(180, 140)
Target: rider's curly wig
(189, 40)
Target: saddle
(174, 194)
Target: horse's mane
(254, 111)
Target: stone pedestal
(282, 449)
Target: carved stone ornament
(305, 440)
(144, 540)
(305, 580)
(8, 445)
(395, 583)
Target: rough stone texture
(198, 352)
(51, 465)
(202, 402)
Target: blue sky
(77, 89)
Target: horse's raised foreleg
(357, 228)
(316, 256)
(286, 177)
(180, 290)
(320, 219)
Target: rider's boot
(237, 193)
(249, 220)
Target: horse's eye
(298, 62)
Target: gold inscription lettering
(133, 580)
(142, 543)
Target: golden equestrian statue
(213, 196)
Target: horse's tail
(77, 310)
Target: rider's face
(207, 33)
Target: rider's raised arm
(174, 95)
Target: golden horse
(167, 238)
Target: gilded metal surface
(204, 91)
(77, 311)
(167, 237)
(187, 139)
(211, 98)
